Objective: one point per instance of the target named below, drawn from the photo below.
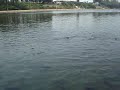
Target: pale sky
(86, 0)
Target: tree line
(29, 4)
(110, 4)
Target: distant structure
(87, 1)
(25, 0)
(106, 0)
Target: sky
(86, 0)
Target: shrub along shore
(31, 5)
(6, 6)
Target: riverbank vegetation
(43, 5)
(110, 4)
(5, 5)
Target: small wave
(66, 37)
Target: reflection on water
(60, 50)
(17, 20)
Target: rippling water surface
(60, 50)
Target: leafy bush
(30, 5)
(3, 7)
(87, 5)
(21, 6)
(13, 6)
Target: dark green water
(60, 50)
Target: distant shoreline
(34, 10)
(45, 10)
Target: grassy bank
(30, 5)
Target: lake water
(60, 50)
